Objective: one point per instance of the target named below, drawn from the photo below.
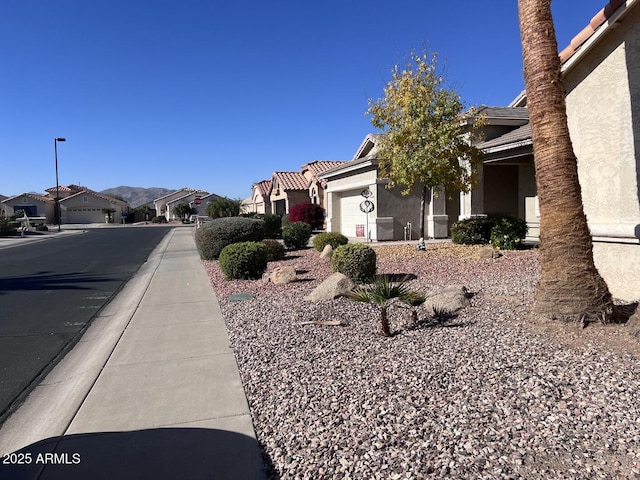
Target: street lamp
(55, 149)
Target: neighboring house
(77, 205)
(317, 186)
(345, 185)
(287, 189)
(160, 204)
(259, 202)
(188, 197)
(601, 73)
(204, 202)
(32, 204)
(87, 206)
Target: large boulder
(283, 275)
(633, 325)
(488, 253)
(449, 299)
(334, 286)
(327, 251)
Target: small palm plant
(381, 293)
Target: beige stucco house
(317, 186)
(32, 204)
(349, 184)
(160, 204)
(601, 73)
(80, 204)
(287, 189)
(259, 202)
(189, 198)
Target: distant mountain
(137, 196)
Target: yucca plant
(381, 293)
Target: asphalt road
(50, 291)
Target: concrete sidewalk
(151, 391)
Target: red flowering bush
(309, 213)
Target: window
(25, 199)
(85, 199)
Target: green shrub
(272, 225)
(296, 234)
(7, 228)
(502, 232)
(355, 260)
(275, 250)
(507, 233)
(335, 239)
(244, 260)
(160, 219)
(41, 227)
(217, 234)
(472, 231)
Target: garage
(352, 220)
(84, 215)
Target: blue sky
(216, 94)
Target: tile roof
(187, 194)
(598, 20)
(318, 166)
(263, 187)
(186, 190)
(34, 196)
(67, 188)
(518, 135)
(88, 191)
(512, 113)
(291, 180)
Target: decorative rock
(449, 299)
(488, 253)
(334, 286)
(283, 275)
(633, 325)
(327, 251)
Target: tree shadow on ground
(51, 281)
(154, 454)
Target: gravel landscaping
(489, 393)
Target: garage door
(85, 215)
(352, 220)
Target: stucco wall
(603, 107)
(399, 209)
(601, 111)
(619, 265)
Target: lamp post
(55, 150)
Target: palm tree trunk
(385, 330)
(570, 286)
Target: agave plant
(381, 293)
